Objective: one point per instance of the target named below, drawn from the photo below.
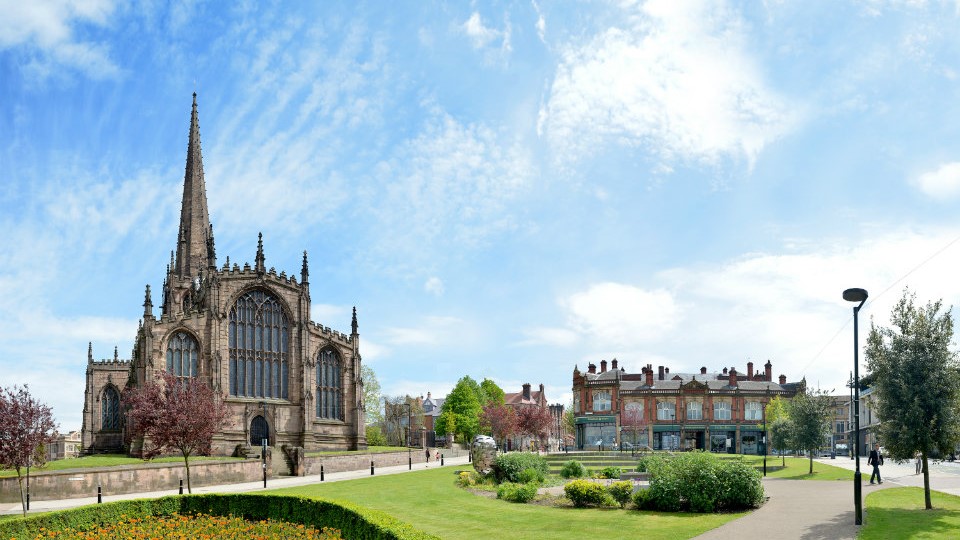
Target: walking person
(428, 454)
(875, 459)
(919, 463)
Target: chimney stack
(541, 389)
(666, 371)
(428, 395)
(526, 391)
(603, 366)
(649, 372)
(768, 371)
(783, 379)
(733, 376)
(591, 368)
(703, 370)
(613, 364)
(724, 371)
(749, 371)
(660, 374)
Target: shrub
(519, 493)
(531, 475)
(643, 464)
(466, 478)
(508, 467)
(573, 469)
(739, 486)
(701, 482)
(621, 491)
(585, 492)
(609, 472)
(643, 500)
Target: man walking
(875, 459)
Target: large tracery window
(329, 385)
(258, 347)
(110, 410)
(182, 352)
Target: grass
(369, 450)
(105, 460)
(900, 513)
(431, 501)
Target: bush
(584, 493)
(519, 493)
(573, 469)
(643, 500)
(508, 467)
(531, 475)
(643, 464)
(354, 521)
(466, 478)
(621, 491)
(375, 436)
(701, 482)
(739, 486)
(609, 472)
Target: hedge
(352, 520)
(508, 467)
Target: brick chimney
(660, 369)
(526, 391)
(591, 368)
(666, 371)
(703, 370)
(783, 379)
(603, 366)
(749, 371)
(733, 376)
(613, 364)
(541, 389)
(768, 371)
(649, 372)
(724, 371)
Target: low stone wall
(77, 483)
(355, 462)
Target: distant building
(431, 411)
(525, 398)
(720, 412)
(840, 425)
(64, 446)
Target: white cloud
(47, 25)
(541, 22)
(482, 36)
(942, 183)
(433, 331)
(622, 315)
(674, 78)
(434, 286)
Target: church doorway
(259, 430)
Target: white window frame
(694, 410)
(601, 397)
(666, 410)
(753, 411)
(722, 411)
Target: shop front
(596, 432)
(751, 442)
(693, 437)
(666, 437)
(723, 439)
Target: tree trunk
(186, 462)
(23, 500)
(811, 462)
(926, 483)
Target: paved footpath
(272, 483)
(813, 509)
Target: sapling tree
(26, 426)
(174, 413)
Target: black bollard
(28, 498)
(469, 457)
(99, 495)
(371, 467)
(441, 459)
(409, 463)
(321, 473)
(181, 486)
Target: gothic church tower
(247, 332)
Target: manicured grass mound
(354, 521)
(177, 527)
(900, 513)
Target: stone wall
(355, 462)
(77, 483)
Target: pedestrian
(428, 454)
(919, 463)
(875, 459)
(437, 457)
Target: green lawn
(799, 468)
(431, 501)
(900, 513)
(105, 460)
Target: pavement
(814, 510)
(272, 483)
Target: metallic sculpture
(483, 452)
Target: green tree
(446, 422)
(464, 404)
(492, 394)
(780, 430)
(917, 381)
(810, 415)
(371, 395)
(777, 408)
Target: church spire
(194, 237)
(304, 271)
(260, 261)
(353, 323)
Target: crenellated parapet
(331, 334)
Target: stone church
(244, 329)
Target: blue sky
(503, 189)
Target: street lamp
(765, 431)
(409, 456)
(850, 409)
(856, 295)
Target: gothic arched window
(110, 410)
(182, 351)
(329, 385)
(258, 347)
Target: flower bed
(176, 526)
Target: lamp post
(850, 384)
(764, 412)
(856, 295)
(409, 456)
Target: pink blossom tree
(174, 414)
(534, 422)
(501, 420)
(26, 426)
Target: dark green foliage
(531, 475)
(573, 469)
(519, 493)
(508, 467)
(643, 464)
(643, 500)
(621, 491)
(353, 521)
(701, 482)
(609, 472)
(810, 420)
(460, 412)
(586, 493)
